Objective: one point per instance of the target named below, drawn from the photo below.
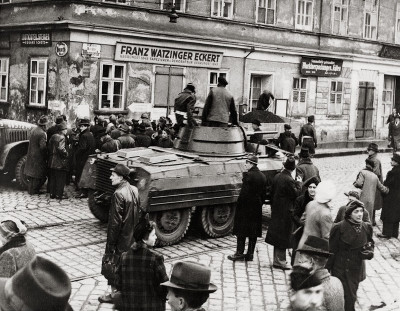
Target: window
(3, 79)
(112, 86)
(387, 98)
(178, 4)
(304, 14)
(335, 98)
(213, 78)
(370, 19)
(37, 85)
(340, 17)
(168, 84)
(266, 11)
(299, 96)
(222, 8)
(255, 91)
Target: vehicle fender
(11, 154)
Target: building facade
(337, 59)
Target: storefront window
(112, 86)
(299, 96)
(222, 8)
(3, 79)
(38, 75)
(370, 18)
(266, 11)
(178, 4)
(213, 78)
(335, 98)
(304, 14)
(340, 17)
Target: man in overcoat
(287, 140)
(308, 136)
(36, 161)
(86, 147)
(285, 190)
(306, 166)
(248, 217)
(373, 150)
(184, 106)
(391, 202)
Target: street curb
(344, 152)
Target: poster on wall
(321, 67)
(167, 56)
(36, 38)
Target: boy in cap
(184, 106)
(189, 286)
(287, 140)
(308, 136)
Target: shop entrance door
(365, 110)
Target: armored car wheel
(217, 220)
(99, 204)
(20, 177)
(171, 225)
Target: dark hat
(43, 120)
(121, 170)
(396, 158)
(40, 285)
(304, 277)
(191, 276)
(59, 119)
(252, 159)
(373, 147)
(190, 87)
(62, 126)
(143, 227)
(353, 193)
(142, 127)
(124, 128)
(290, 163)
(256, 122)
(145, 115)
(84, 122)
(316, 245)
(222, 81)
(287, 127)
(312, 180)
(311, 119)
(304, 152)
(351, 207)
(370, 162)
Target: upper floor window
(304, 14)
(266, 11)
(178, 4)
(222, 8)
(112, 86)
(213, 78)
(340, 17)
(299, 96)
(5, 1)
(336, 98)
(370, 19)
(3, 79)
(37, 81)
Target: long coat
(308, 168)
(141, 273)
(308, 130)
(15, 257)
(36, 162)
(287, 141)
(378, 172)
(58, 155)
(370, 184)
(248, 216)
(86, 145)
(284, 192)
(391, 206)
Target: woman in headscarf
(351, 243)
(15, 251)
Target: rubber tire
(210, 228)
(169, 238)
(20, 177)
(99, 211)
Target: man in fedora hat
(219, 108)
(123, 217)
(189, 286)
(184, 106)
(126, 140)
(287, 140)
(315, 252)
(353, 195)
(40, 286)
(36, 159)
(248, 216)
(308, 136)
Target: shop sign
(168, 56)
(61, 49)
(390, 52)
(321, 67)
(5, 42)
(36, 38)
(91, 50)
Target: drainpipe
(252, 49)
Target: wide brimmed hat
(353, 193)
(315, 245)
(122, 170)
(40, 285)
(252, 159)
(351, 207)
(304, 277)
(190, 87)
(191, 276)
(84, 122)
(396, 158)
(290, 163)
(312, 180)
(325, 191)
(43, 120)
(373, 147)
(304, 152)
(287, 127)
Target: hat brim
(126, 177)
(315, 251)
(211, 288)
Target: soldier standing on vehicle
(308, 136)
(122, 219)
(36, 161)
(184, 105)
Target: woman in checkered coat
(142, 271)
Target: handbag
(110, 265)
(367, 251)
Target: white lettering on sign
(170, 56)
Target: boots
(240, 244)
(250, 249)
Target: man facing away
(308, 136)
(184, 106)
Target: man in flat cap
(219, 108)
(184, 106)
(287, 140)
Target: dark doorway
(365, 110)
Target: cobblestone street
(67, 233)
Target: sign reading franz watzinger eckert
(321, 67)
(36, 38)
(169, 56)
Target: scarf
(355, 225)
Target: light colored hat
(9, 234)
(325, 191)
